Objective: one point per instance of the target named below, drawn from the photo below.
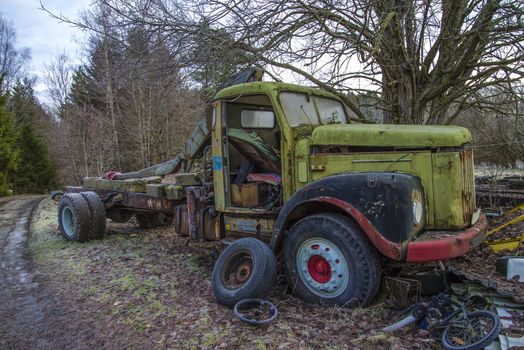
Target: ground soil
(151, 290)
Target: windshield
(302, 109)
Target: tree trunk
(110, 99)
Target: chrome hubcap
(322, 267)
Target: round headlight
(418, 210)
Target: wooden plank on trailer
(129, 185)
(156, 190)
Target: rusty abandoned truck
(278, 168)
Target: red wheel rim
(319, 269)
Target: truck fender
(387, 227)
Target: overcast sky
(44, 35)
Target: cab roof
(269, 88)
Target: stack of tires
(81, 216)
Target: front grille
(468, 184)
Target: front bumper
(433, 246)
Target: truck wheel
(74, 217)
(329, 261)
(97, 229)
(152, 220)
(246, 269)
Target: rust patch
(390, 249)
(467, 191)
(192, 212)
(143, 201)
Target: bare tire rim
(68, 221)
(237, 270)
(322, 267)
(255, 311)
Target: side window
(257, 119)
(330, 111)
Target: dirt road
(30, 318)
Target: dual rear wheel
(81, 216)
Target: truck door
(246, 155)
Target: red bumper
(446, 245)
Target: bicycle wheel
(476, 331)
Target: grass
(151, 290)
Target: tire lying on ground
(97, 222)
(330, 262)
(74, 217)
(246, 269)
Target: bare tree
(427, 59)
(126, 107)
(12, 59)
(498, 131)
(58, 81)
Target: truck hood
(386, 135)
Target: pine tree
(35, 171)
(9, 154)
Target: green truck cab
(407, 191)
(277, 168)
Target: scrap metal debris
(503, 239)
(477, 273)
(511, 314)
(507, 232)
(480, 266)
(492, 191)
(255, 311)
(404, 291)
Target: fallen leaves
(153, 290)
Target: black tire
(97, 229)
(152, 220)
(346, 269)
(246, 269)
(480, 343)
(74, 217)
